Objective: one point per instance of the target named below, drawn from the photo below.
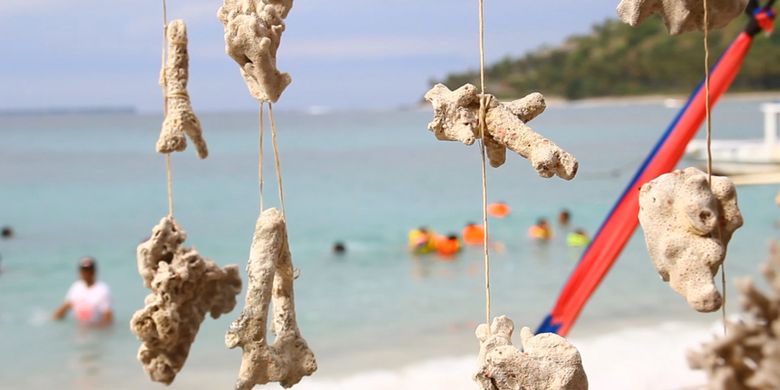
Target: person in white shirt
(89, 298)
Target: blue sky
(341, 54)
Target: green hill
(615, 59)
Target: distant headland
(616, 60)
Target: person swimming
(89, 298)
(541, 231)
(7, 232)
(564, 218)
(473, 234)
(448, 246)
(499, 210)
(422, 241)
(577, 238)
(339, 248)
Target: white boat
(743, 156)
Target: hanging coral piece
(179, 118)
(748, 357)
(253, 31)
(456, 118)
(271, 276)
(185, 286)
(687, 229)
(546, 361)
(681, 15)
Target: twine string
(708, 112)
(483, 103)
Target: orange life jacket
(539, 233)
(498, 210)
(448, 247)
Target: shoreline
(554, 101)
(651, 357)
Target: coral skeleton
(687, 229)
(546, 361)
(179, 117)
(681, 15)
(185, 287)
(456, 118)
(288, 359)
(748, 357)
(253, 31)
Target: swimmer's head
(87, 270)
(6, 232)
(339, 248)
(564, 216)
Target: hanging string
(709, 142)
(164, 85)
(483, 103)
(277, 159)
(169, 180)
(707, 92)
(260, 148)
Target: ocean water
(75, 185)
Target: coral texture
(271, 276)
(687, 229)
(547, 361)
(456, 118)
(179, 118)
(681, 15)
(253, 31)
(748, 358)
(185, 287)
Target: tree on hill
(615, 59)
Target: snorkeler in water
(577, 238)
(422, 241)
(473, 234)
(448, 246)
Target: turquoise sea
(75, 185)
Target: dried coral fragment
(456, 116)
(748, 357)
(681, 15)
(253, 31)
(185, 287)
(687, 229)
(547, 361)
(179, 118)
(270, 271)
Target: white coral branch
(180, 119)
(185, 287)
(687, 230)
(288, 359)
(456, 118)
(253, 32)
